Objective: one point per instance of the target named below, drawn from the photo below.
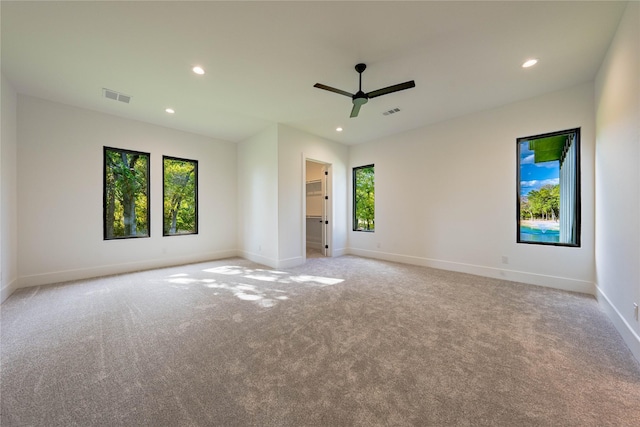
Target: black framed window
(364, 198)
(180, 196)
(126, 194)
(548, 189)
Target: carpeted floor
(338, 342)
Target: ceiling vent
(392, 111)
(116, 96)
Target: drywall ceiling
(263, 58)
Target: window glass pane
(364, 198)
(548, 189)
(180, 194)
(126, 194)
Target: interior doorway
(317, 209)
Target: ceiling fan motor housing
(360, 98)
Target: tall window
(364, 198)
(126, 194)
(180, 194)
(548, 202)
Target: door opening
(317, 203)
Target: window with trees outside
(126, 194)
(364, 198)
(548, 189)
(180, 195)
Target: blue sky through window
(534, 176)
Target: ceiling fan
(360, 98)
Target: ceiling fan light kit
(360, 98)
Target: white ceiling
(263, 58)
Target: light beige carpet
(338, 342)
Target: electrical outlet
(635, 310)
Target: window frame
(105, 195)
(354, 221)
(577, 200)
(195, 164)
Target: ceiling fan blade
(355, 110)
(391, 89)
(333, 89)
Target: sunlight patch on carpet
(273, 275)
(262, 295)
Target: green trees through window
(126, 206)
(126, 194)
(180, 195)
(548, 200)
(542, 204)
(364, 198)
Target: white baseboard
(290, 262)
(629, 336)
(555, 282)
(260, 259)
(106, 270)
(7, 290)
(270, 262)
(338, 252)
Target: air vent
(392, 111)
(116, 96)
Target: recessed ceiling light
(338, 129)
(529, 63)
(170, 110)
(198, 70)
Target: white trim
(8, 290)
(106, 270)
(303, 240)
(273, 263)
(555, 282)
(339, 252)
(629, 336)
(290, 262)
(257, 258)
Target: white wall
(617, 249)
(446, 194)
(294, 147)
(60, 207)
(258, 197)
(8, 191)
